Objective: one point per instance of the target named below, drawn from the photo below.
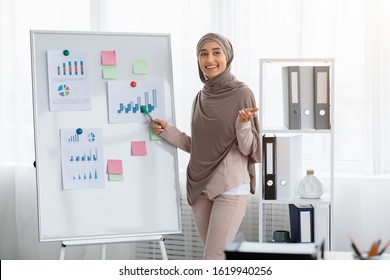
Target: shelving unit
(317, 150)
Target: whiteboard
(145, 200)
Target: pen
(322, 248)
(384, 248)
(146, 112)
(355, 248)
(374, 248)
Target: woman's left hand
(247, 114)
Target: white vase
(310, 186)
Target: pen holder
(364, 256)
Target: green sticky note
(115, 177)
(154, 136)
(140, 66)
(109, 72)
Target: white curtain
(354, 32)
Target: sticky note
(114, 166)
(115, 177)
(140, 66)
(108, 57)
(154, 136)
(138, 148)
(109, 72)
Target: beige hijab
(213, 133)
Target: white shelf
(273, 121)
(324, 200)
(295, 131)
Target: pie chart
(63, 90)
(91, 137)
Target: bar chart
(75, 68)
(86, 156)
(135, 106)
(82, 177)
(125, 101)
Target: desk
(336, 255)
(270, 251)
(284, 251)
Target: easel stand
(106, 241)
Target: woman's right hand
(158, 125)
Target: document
(68, 77)
(82, 158)
(125, 101)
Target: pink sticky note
(138, 148)
(114, 166)
(108, 57)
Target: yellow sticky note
(109, 72)
(140, 66)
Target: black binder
(269, 167)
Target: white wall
(361, 210)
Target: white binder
(321, 226)
(289, 165)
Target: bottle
(310, 186)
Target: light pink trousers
(218, 221)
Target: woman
(223, 146)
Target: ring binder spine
(269, 167)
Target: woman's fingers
(247, 114)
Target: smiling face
(212, 60)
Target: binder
(269, 167)
(301, 223)
(321, 227)
(306, 87)
(300, 92)
(321, 97)
(289, 165)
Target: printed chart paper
(125, 101)
(68, 77)
(82, 158)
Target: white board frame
(149, 202)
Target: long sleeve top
(232, 171)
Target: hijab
(214, 114)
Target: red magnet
(133, 84)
